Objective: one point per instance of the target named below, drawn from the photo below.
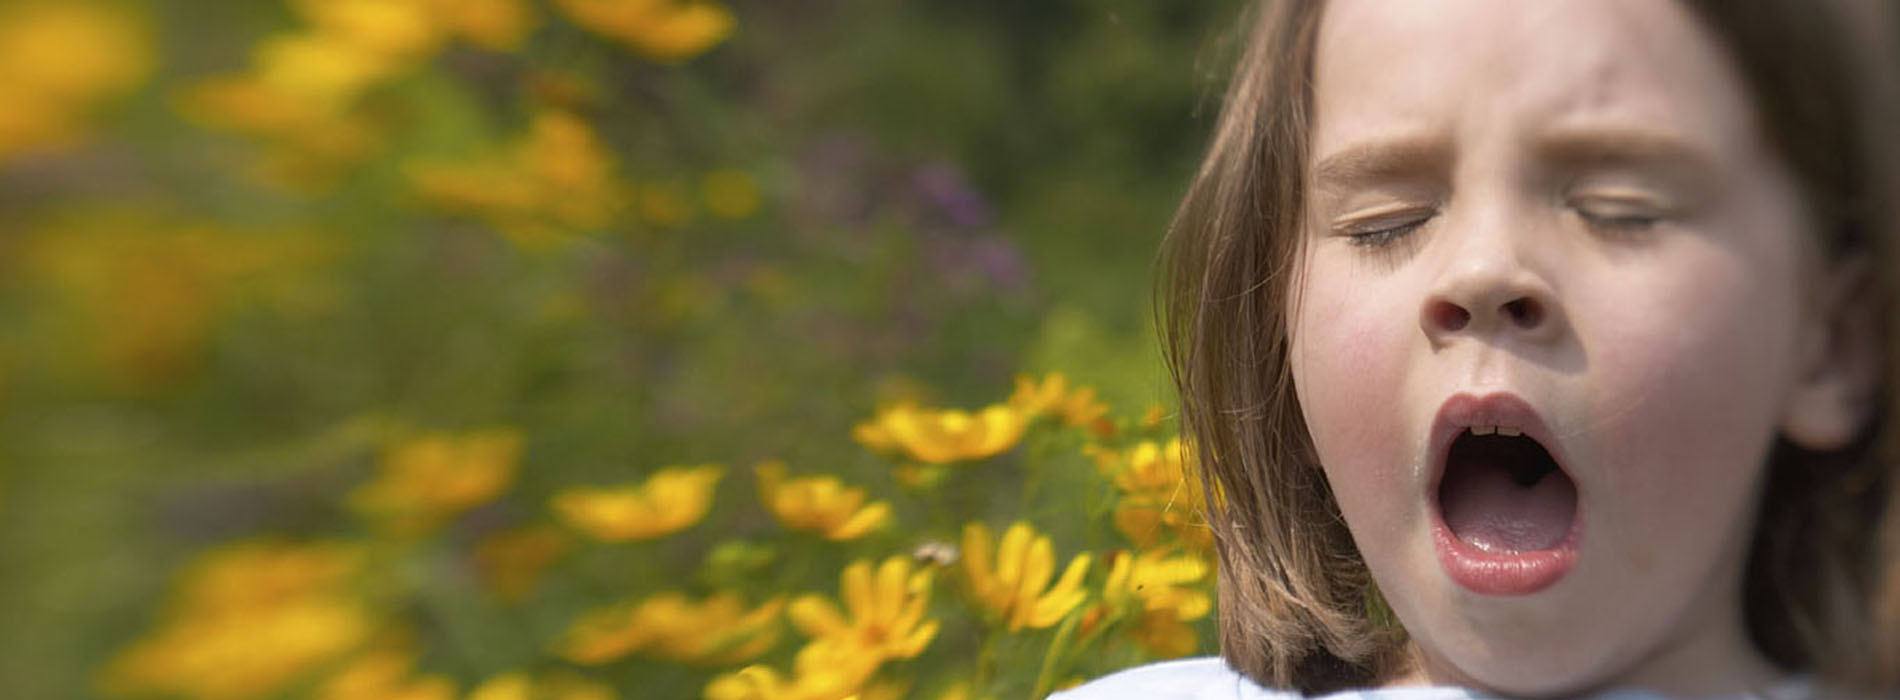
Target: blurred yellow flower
(1155, 416)
(663, 30)
(822, 670)
(1009, 579)
(138, 298)
(673, 499)
(820, 504)
(887, 609)
(557, 180)
(715, 631)
(492, 24)
(300, 95)
(246, 620)
(1151, 467)
(1162, 593)
(939, 437)
(429, 479)
(1052, 396)
(386, 29)
(512, 562)
(1156, 581)
(58, 62)
(518, 685)
(385, 674)
(1159, 494)
(1164, 635)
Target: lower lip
(1503, 573)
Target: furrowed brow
(1374, 161)
(1634, 147)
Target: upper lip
(1506, 410)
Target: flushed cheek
(1348, 363)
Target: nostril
(1525, 312)
(1449, 316)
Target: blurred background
(592, 348)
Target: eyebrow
(1382, 159)
(1620, 146)
(1395, 158)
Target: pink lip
(1496, 573)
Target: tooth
(1509, 432)
(1483, 429)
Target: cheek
(1348, 360)
(1689, 375)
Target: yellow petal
(855, 587)
(817, 617)
(1010, 555)
(890, 591)
(1063, 597)
(872, 517)
(1039, 563)
(976, 557)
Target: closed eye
(1382, 231)
(1617, 215)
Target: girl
(1545, 348)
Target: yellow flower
(1145, 518)
(1051, 396)
(820, 504)
(1154, 581)
(939, 437)
(556, 180)
(822, 670)
(392, 29)
(58, 61)
(671, 500)
(1164, 635)
(493, 24)
(1159, 494)
(664, 30)
(247, 620)
(1148, 467)
(385, 674)
(1009, 579)
(715, 631)
(138, 297)
(518, 685)
(886, 610)
(1155, 416)
(511, 563)
(437, 476)
(301, 94)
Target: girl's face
(1556, 219)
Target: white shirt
(1209, 678)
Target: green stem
(1047, 675)
(985, 664)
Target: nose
(1490, 292)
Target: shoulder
(1203, 678)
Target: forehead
(1387, 68)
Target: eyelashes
(1394, 233)
(1380, 235)
(1388, 237)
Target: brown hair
(1298, 607)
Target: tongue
(1488, 510)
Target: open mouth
(1507, 514)
(1503, 493)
